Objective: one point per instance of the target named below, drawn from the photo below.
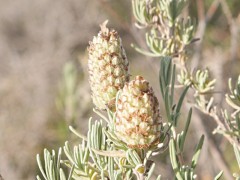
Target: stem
(180, 158)
(140, 176)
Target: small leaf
(237, 154)
(179, 104)
(62, 175)
(218, 176)
(172, 84)
(185, 130)
(150, 172)
(174, 161)
(197, 152)
(40, 166)
(167, 106)
(159, 177)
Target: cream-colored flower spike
(138, 121)
(108, 66)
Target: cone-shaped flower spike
(108, 66)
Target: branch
(215, 152)
(226, 11)
(203, 20)
(223, 126)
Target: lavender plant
(130, 130)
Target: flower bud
(138, 121)
(108, 66)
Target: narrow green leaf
(179, 104)
(136, 157)
(161, 78)
(167, 107)
(174, 161)
(197, 152)
(172, 84)
(86, 155)
(51, 171)
(161, 86)
(159, 177)
(237, 154)
(218, 176)
(58, 161)
(168, 70)
(111, 168)
(68, 153)
(71, 172)
(62, 175)
(185, 130)
(129, 159)
(150, 172)
(40, 166)
(46, 162)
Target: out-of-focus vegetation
(39, 37)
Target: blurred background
(44, 81)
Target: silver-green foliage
(51, 169)
(176, 145)
(168, 33)
(102, 155)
